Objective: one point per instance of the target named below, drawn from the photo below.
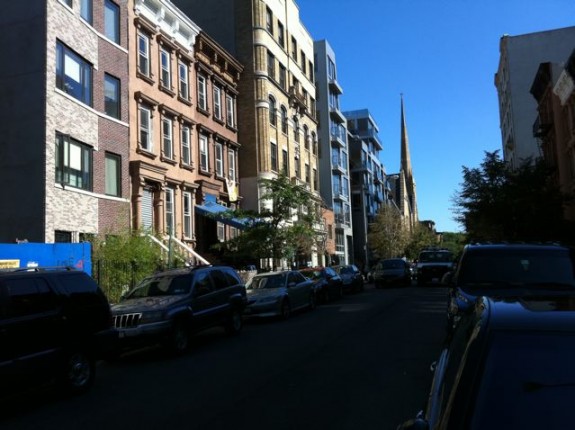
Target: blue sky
(442, 55)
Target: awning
(212, 209)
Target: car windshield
(392, 264)
(162, 286)
(435, 256)
(268, 281)
(311, 274)
(518, 269)
(345, 270)
(542, 378)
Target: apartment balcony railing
(334, 86)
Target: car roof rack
(38, 269)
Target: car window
(330, 271)
(203, 283)
(219, 279)
(541, 378)
(517, 268)
(162, 286)
(295, 277)
(29, 296)
(392, 264)
(231, 276)
(269, 281)
(77, 283)
(439, 257)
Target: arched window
(306, 136)
(284, 119)
(314, 143)
(272, 103)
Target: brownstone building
(184, 146)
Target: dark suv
(508, 270)
(169, 306)
(54, 324)
(432, 264)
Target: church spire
(405, 157)
(408, 194)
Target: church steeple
(409, 198)
(405, 157)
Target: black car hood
(145, 304)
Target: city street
(358, 363)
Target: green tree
(388, 236)
(496, 203)
(421, 237)
(282, 228)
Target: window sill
(167, 90)
(145, 152)
(219, 120)
(168, 160)
(232, 127)
(184, 100)
(146, 78)
(203, 111)
(189, 167)
(205, 173)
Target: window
(165, 64)
(230, 111)
(183, 74)
(281, 36)
(186, 159)
(144, 54)
(284, 120)
(217, 102)
(310, 66)
(29, 296)
(314, 178)
(297, 168)
(306, 136)
(307, 174)
(232, 164)
(73, 163)
(86, 10)
(61, 236)
(271, 65)
(112, 96)
(274, 156)
(204, 153)
(219, 159)
(68, 3)
(296, 129)
(313, 143)
(73, 74)
(145, 127)
(112, 21)
(187, 208)
(167, 138)
(269, 21)
(282, 77)
(202, 102)
(113, 178)
(169, 210)
(303, 63)
(285, 165)
(272, 102)
(294, 48)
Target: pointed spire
(405, 157)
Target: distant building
(368, 179)
(334, 151)
(519, 60)
(553, 89)
(64, 133)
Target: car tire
(235, 323)
(78, 372)
(178, 339)
(285, 309)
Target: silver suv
(168, 307)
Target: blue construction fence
(28, 255)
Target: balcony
(297, 99)
(334, 86)
(336, 114)
(338, 165)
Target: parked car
(279, 294)
(54, 324)
(392, 271)
(328, 285)
(169, 306)
(509, 365)
(432, 264)
(501, 270)
(351, 276)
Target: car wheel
(285, 310)
(78, 372)
(235, 322)
(179, 338)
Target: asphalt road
(358, 363)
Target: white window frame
(143, 54)
(217, 102)
(221, 228)
(148, 144)
(230, 110)
(187, 214)
(168, 137)
(183, 79)
(231, 164)
(219, 159)
(202, 100)
(185, 141)
(169, 211)
(204, 153)
(165, 68)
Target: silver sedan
(278, 294)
